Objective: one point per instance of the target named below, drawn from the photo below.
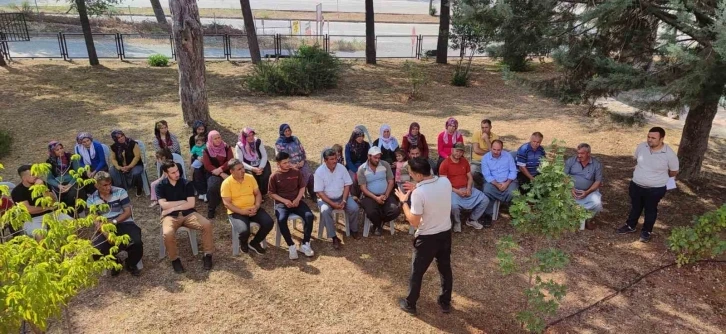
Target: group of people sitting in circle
(356, 175)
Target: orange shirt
(456, 172)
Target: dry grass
(354, 289)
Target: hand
(484, 136)
(340, 205)
(301, 164)
(403, 197)
(581, 194)
(501, 186)
(295, 203)
(98, 225)
(379, 199)
(223, 175)
(574, 193)
(38, 182)
(166, 212)
(467, 192)
(408, 186)
(257, 171)
(288, 203)
(217, 171)
(91, 174)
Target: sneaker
(121, 256)
(644, 236)
(355, 235)
(445, 307)
(133, 270)
(486, 221)
(457, 227)
(210, 214)
(201, 197)
(207, 261)
(293, 252)
(178, 268)
(475, 224)
(257, 248)
(115, 272)
(139, 191)
(205, 198)
(307, 250)
(336, 243)
(625, 229)
(244, 246)
(403, 304)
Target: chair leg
(193, 241)
(495, 210)
(347, 225)
(235, 241)
(321, 226)
(140, 265)
(162, 248)
(366, 227)
(393, 226)
(278, 235)
(582, 224)
(411, 230)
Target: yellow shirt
(241, 193)
(482, 143)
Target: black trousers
(263, 179)
(282, 213)
(214, 193)
(426, 249)
(135, 248)
(200, 180)
(378, 213)
(644, 199)
(242, 223)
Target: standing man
(242, 197)
(332, 185)
(176, 199)
(656, 162)
(586, 173)
(481, 144)
(528, 156)
(500, 174)
(376, 182)
(463, 195)
(287, 188)
(429, 213)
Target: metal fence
(220, 46)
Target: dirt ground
(355, 289)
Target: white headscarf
(389, 143)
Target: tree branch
(673, 22)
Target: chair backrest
(107, 153)
(180, 160)
(142, 147)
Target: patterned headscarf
(218, 150)
(249, 152)
(389, 143)
(354, 145)
(86, 153)
(413, 140)
(63, 162)
(196, 125)
(455, 137)
(120, 147)
(282, 138)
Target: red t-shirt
(286, 185)
(456, 172)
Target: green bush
(416, 78)
(309, 70)
(158, 60)
(461, 75)
(5, 141)
(432, 11)
(705, 239)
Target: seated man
(463, 196)
(586, 173)
(413, 152)
(118, 213)
(287, 188)
(481, 144)
(176, 199)
(375, 179)
(332, 185)
(242, 197)
(500, 174)
(528, 156)
(22, 194)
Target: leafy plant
(158, 60)
(6, 142)
(416, 78)
(432, 11)
(38, 277)
(547, 210)
(461, 75)
(702, 240)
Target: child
(400, 163)
(162, 155)
(339, 150)
(200, 179)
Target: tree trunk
(158, 12)
(2, 52)
(442, 48)
(189, 46)
(86, 27)
(694, 141)
(370, 34)
(431, 6)
(249, 22)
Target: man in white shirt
(332, 185)
(429, 213)
(656, 162)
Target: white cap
(374, 150)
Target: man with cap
(376, 182)
(463, 196)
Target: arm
(155, 143)
(440, 146)
(405, 144)
(391, 181)
(114, 161)
(322, 196)
(414, 220)
(52, 180)
(348, 161)
(486, 171)
(176, 205)
(175, 145)
(478, 150)
(126, 214)
(263, 156)
(469, 182)
(101, 156)
(225, 165)
(258, 198)
(423, 146)
(137, 157)
(228, 204)
(207, 162)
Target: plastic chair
(192, 240)
(321, 226)
(291, 217)
(144, 175)
(179, 160)
(582, 224)
(495, 210)
(235, 237)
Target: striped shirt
(117, 203)
(528, 157)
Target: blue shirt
(498, 169)
(99, 161)
(116, 204)
(375, 180)
(527, 157)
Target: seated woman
(298, 158)
(91, 153)
(447, 139)
(414, 138)
(251, 151)
(59, 179)
(356, 154)
(215, 159)
(165, 139)
(126, 163)
(198, 128)
(387, 143)
(162, 155)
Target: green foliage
(461, 74)
(416, 78)
(636, 119)
(40, 275)
(432, 11)
(96, 7)
(474, 24)
(6, 141)
(309, 70)
(158, 60)
(349, 46)
(705, 239)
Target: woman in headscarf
(356, 151)
(127, 162)
(59, 179)
(298, 159)
(165, 139)
(91, 153)
(388, 145)
(251, 151)
(198, 128)
(414, 138)
(215, 159)
(447, 139)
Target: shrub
(308, 70)
(5, 142)
(461, 75)
(432, 11)
(158, 60)
(702, 240)
(416, 78)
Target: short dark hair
(200, 137)
(164, 153)
(166, 165)
(658, 129)
(538, 134)
(414, 147)
(420, 165)
(497, 141)
(233, 163)
(329, 153)
(486, 121)
(22, 169)
(282, 156)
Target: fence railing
(219, 46)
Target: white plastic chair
(144, 175)
(179, 160)
(582, 224)
(291, 217)
(495, 210)
(367, 226)
(321, 226)
(192, 240)
(235, 237)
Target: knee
(169, 235)
(309, 217)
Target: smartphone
(400, 187)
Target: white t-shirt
(652, 168)
(331, 183)
(432, 200)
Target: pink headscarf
(215, 151)
(454, 137)
(250, 153)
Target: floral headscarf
(249, 152)
(454, 137)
